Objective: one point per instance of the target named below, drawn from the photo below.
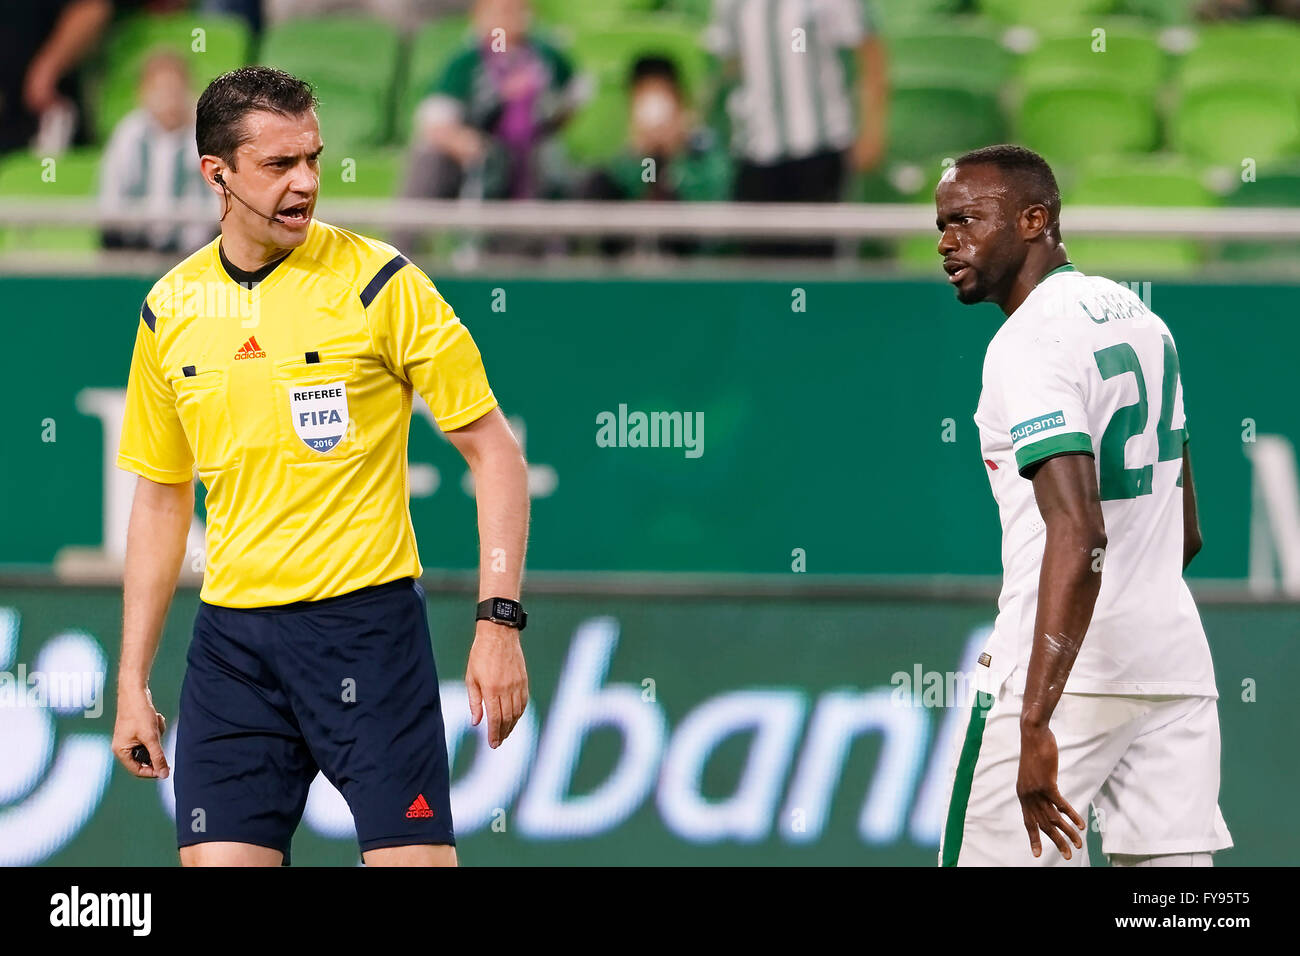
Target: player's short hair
(219, 117)
(654, 66)
(1030, 175)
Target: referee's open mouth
(298, 214)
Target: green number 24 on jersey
(1117, 481)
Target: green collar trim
(1068, 267)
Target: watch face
(504, 610)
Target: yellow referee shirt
(294, 401)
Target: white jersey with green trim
(1085, 366)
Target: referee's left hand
(496, 680)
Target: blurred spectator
(794, 131)
(41, 43)
(486, 127)
(669, 155)
(149, 163)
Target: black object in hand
(140, 754)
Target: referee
(279, 360)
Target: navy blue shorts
(346, 685)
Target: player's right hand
(138, 723)
(1041, 802)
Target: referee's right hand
(139, 723)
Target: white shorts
(1149, 766)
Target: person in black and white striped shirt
(795, 134)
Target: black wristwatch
(502, 611)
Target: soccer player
(280, 360)
(1096, 685)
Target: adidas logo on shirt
(420, 808)
(250, 350)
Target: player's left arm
(496, 677)
(1070, 503)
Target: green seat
(973, 58)
(1263, 52)
(1161, 12)
(698, 12)
(1225, 124)
(1278, 186)
(942, 121)
(599, 130)
(1131, 57)
(375, 174)
(1273, 186)
(1070, 123)
(352, 63)
(349, 122)
(24, 175)
(1038, 13)
(225, 46)
(900, 16)
(567, 13)
(1137, 181)
(431, 50)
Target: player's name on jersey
(1112, 306)
(638, 429)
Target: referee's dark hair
(1030, 175)
(219, 117)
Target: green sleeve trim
(1056, 445)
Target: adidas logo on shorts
(420, 808)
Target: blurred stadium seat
(355, 91)
(599, 130)
(1132, 56)
(28, 176)
(1038, 13)
(1157, 180)
(1230, 122)
(897, 16)
(377, 174)
(1264, 51)
(1277, 186)
(1161, 12)
(968, 55)
(1068, 122)
(926, 121)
